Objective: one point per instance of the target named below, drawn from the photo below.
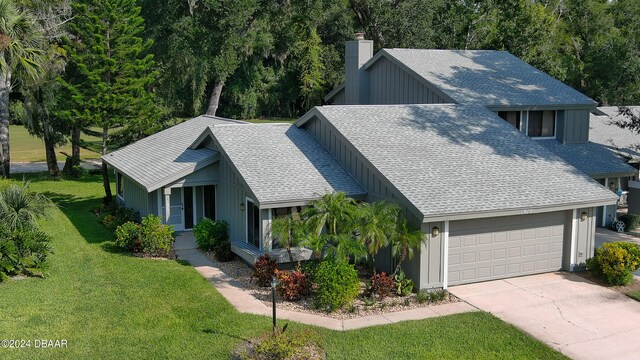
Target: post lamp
(274, 282)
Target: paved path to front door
(581, 319)
(234, 292)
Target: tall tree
(112, 76)
(20, 58)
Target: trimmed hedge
(615, 262)
(337, 285)
(151, 237)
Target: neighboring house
(495, 200)
(541, 107)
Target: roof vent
(359, 36)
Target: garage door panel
(519, 245)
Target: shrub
(280, 345)
(209, 233)
(615, 262)
(404, 285)
(265, 268)
(337, 285)
(23, 252)
(222, 250)
(437, 295)
(422, 296)
(631, 221)
(292, 285)
(381, 285)
(114, 215)
(128, 237)
(203, 233)
(156, 238)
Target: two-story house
(495, 201)
(541, 107)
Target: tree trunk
(214, 101)
(5, 160)
(52, 161)
(105, 171)
(75, 145)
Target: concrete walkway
(40, 166)
(581, 319)
(244, 302)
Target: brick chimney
(357, 52)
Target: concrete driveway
(572, 315)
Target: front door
(188, 207)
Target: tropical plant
(337, 285)
(292, 285)
(343, 247)
(264, 270)
(287, 231)
(404, 285)
(20, 207)
(316, 243)
(381, 285)
(21, 56)
(405, 242)
(376, 224)
(335, 211)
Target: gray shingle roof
(158, 159)
(450, 160)
(487, 77)
(282, 163)
(594, 159)
(618, 140)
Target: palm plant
(20, 207)
(334, 210)
(376, 224)
(21, 44)
(344, 246)
(316, 243)
(405, 242)
(287, 231)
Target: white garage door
(495, 248)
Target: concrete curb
(244, 302)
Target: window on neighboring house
(541, 123)
(119, 185)
(512, 117)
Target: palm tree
(376, 224)
(20, 207)
(344, 246)
(287, 231)
(405, 242)
(334, 210)
(21, 44)
(316, 243)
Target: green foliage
(635, 295)
(333, 211)
(436, 296)
(280, 345)
(222, 250)
(128, 236)
(405, 242)
(209, 233)
(631, 221)
(287, 232)
(404, 285)
(23, 251)
(156, 238)
(376, 224)
(292, 285)
(264, 270)
(337, 285)
(615, 262)
(20, 207)
(343, 247)
(151, 237)
(381, 285)
(114, 215)
(422, 296)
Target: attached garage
(502, 247)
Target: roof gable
(485, 77)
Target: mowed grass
(27, 148)
(109, 305)
(634, 294)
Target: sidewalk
(244, 302)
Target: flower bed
(241, 272)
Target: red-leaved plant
(292, 285)
(265, 268)
(381, 285)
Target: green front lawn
(634, 295)
(27, 148)
(110, 305)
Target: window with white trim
(512, 117)
(541, 123)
